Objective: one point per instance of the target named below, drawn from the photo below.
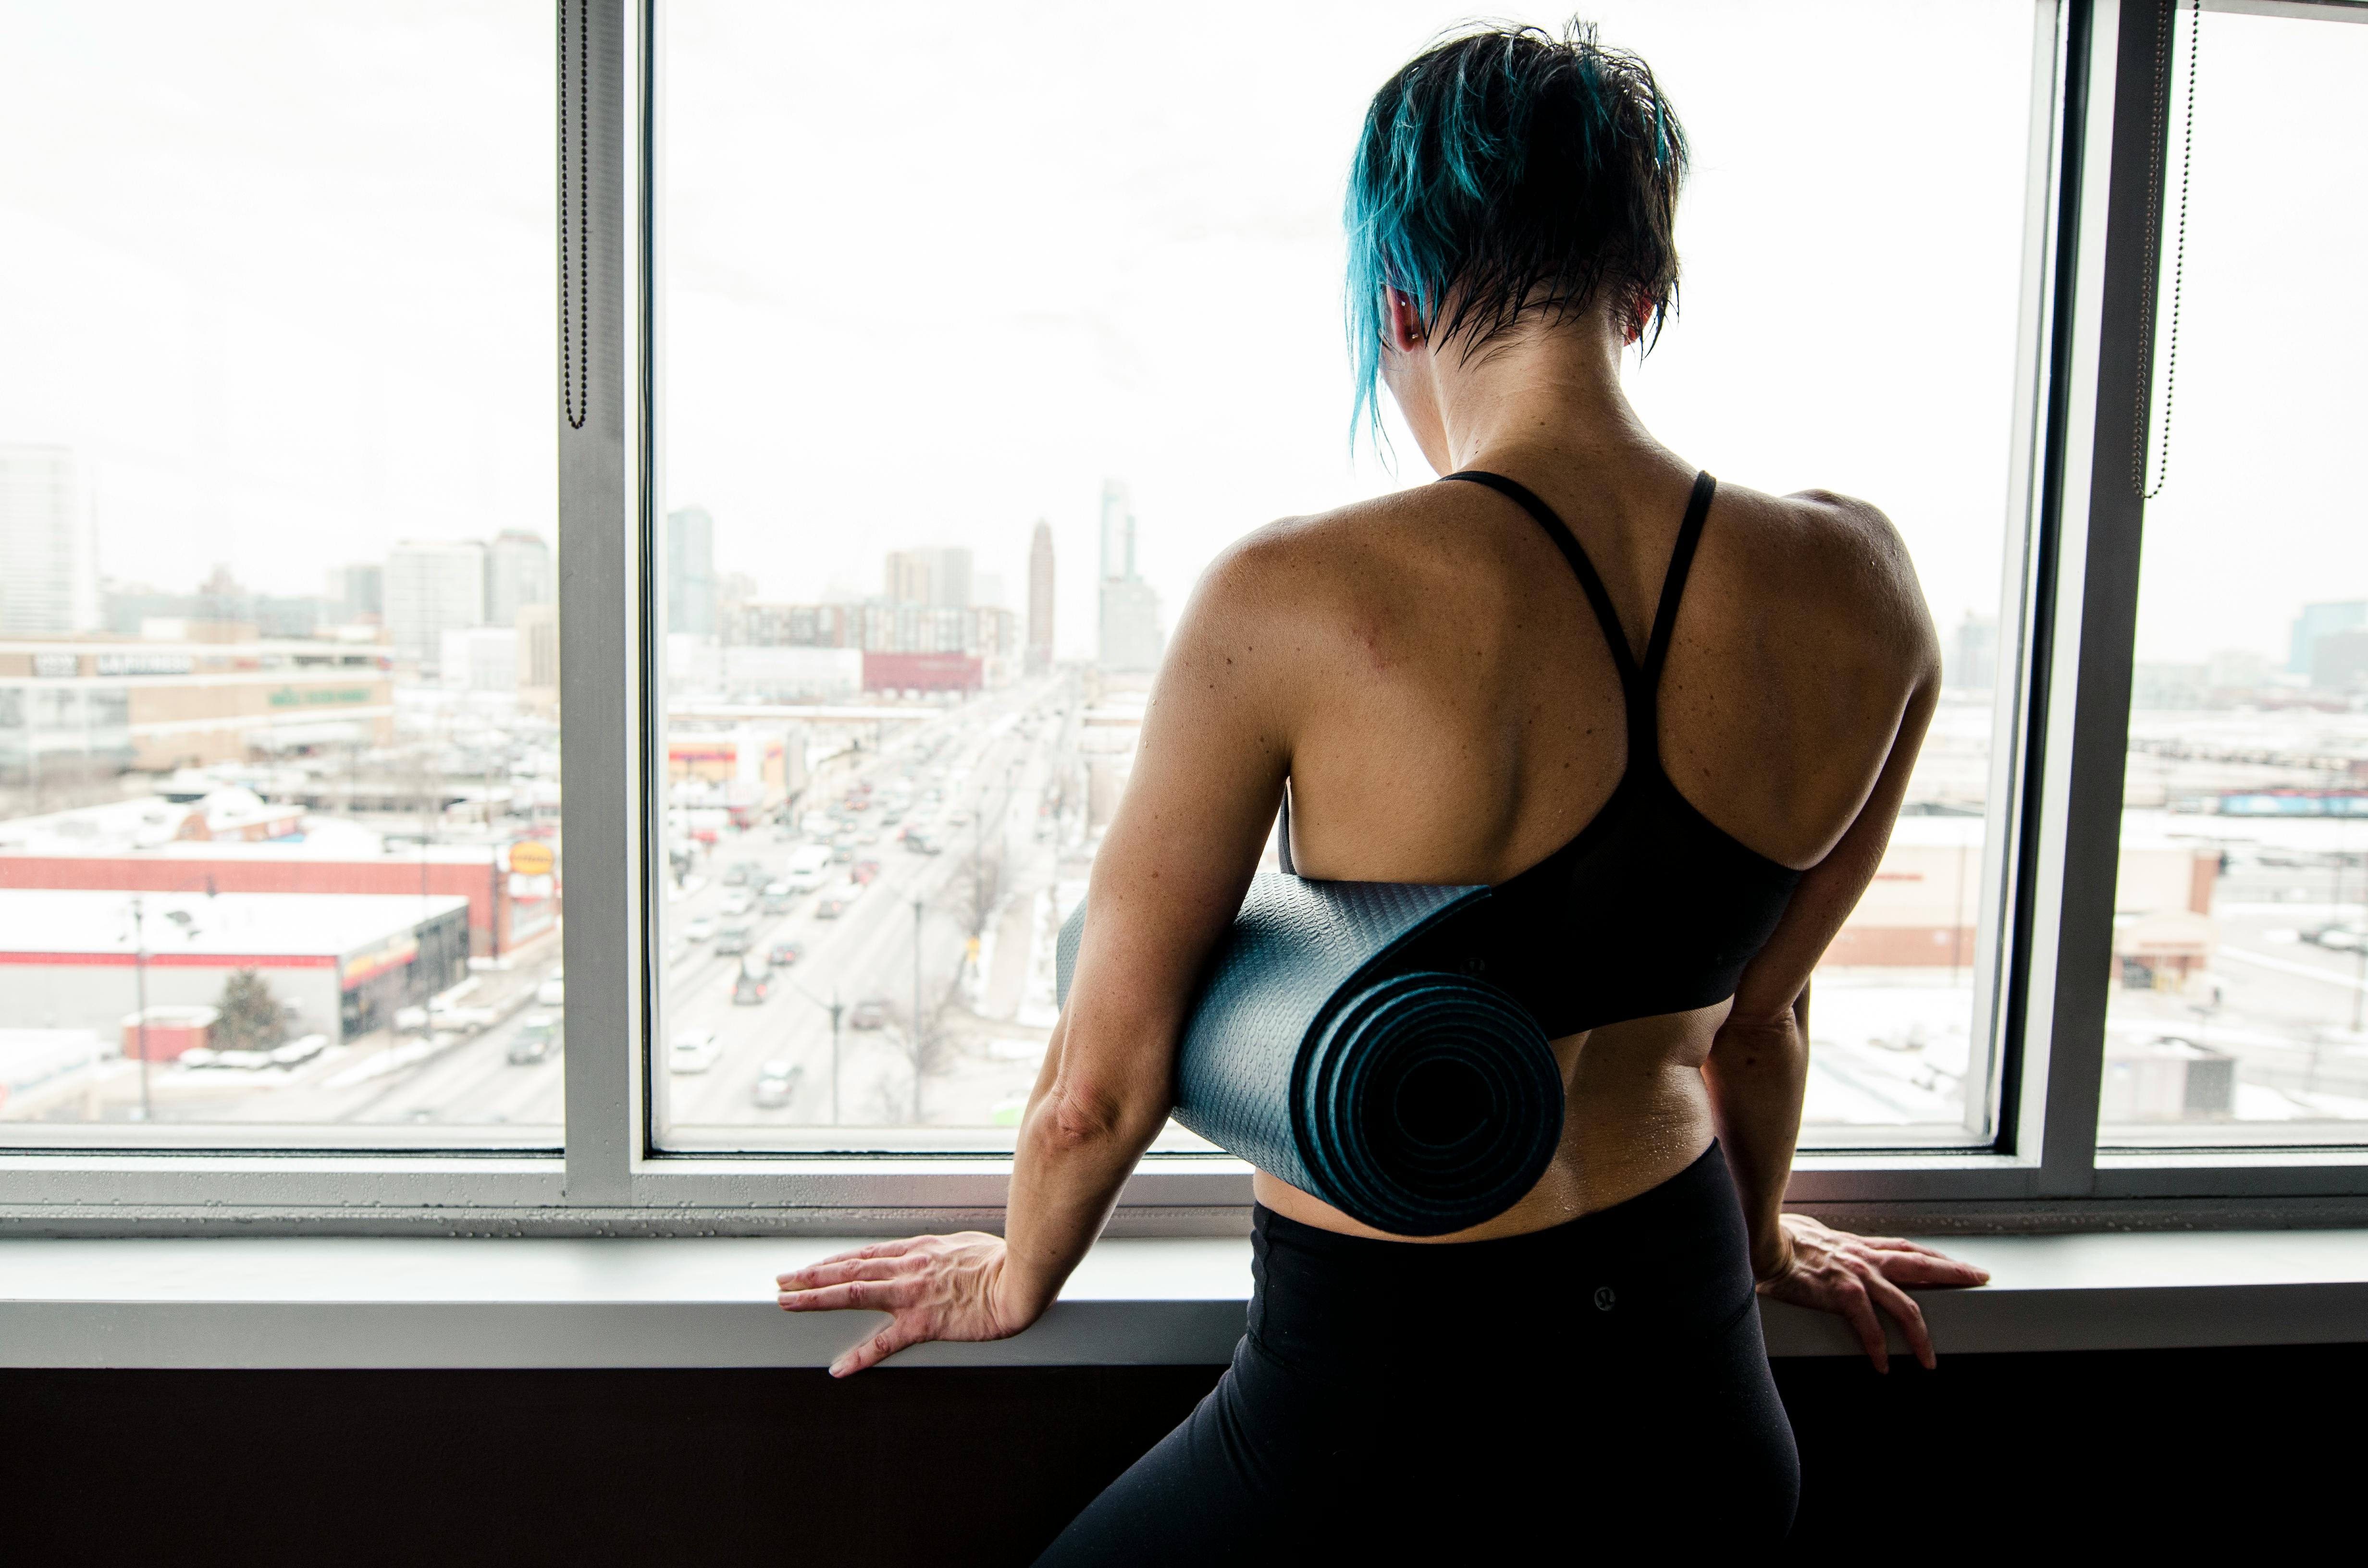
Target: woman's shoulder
(1832, 559)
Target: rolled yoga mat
(1332, 1045)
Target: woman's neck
(1551, 394)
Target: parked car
(748, 989)
(553, 992)
(733, 939)
(538, 1039)
(702, 927)
(777, 1084)
(830, 909)
(781, 955)
(871, 1012)
(693, 1050)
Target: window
(278, 814)
(2240, 925)
(938, 473)
(895, 414)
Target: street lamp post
(917, 1012)
(140, 978)
(836, 1009)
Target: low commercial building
(84, 705)
(235, 843)
(340, 962)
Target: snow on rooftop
(151, 827)
(293, 924)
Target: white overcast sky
(283, 274)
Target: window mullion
(598, 593)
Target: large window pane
(2240, 931)
(974, 360)
(278, 733)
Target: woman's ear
(1640, 316)
(1402, 326)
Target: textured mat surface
(1417, 1100)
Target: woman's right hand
(1848, 1275)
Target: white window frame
(2071, 593)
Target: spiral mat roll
(1323, 1050)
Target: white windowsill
(339, 1302)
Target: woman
(1670, 720)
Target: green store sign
(320, 695)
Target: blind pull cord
(2166, 31)
(575, 236)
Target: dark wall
(1998, 1457)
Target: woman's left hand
(1852, 1276)
(931, 1288)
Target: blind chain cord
(2166, 30)
(576, 238)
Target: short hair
(1504, 171)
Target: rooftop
(262, 924)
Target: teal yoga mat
(1334, 1044)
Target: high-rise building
(2321, 621)
(690, 571)
(938, 578)
(517, 573)
(432, 587)
(1118, 532)
(1039, 599)
(47, 585)
(1970, 661)
(357, 593)
(1130, 639)
(538, 657)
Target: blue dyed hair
(1504, 171)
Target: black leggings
(1599, 1385)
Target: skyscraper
(2321, 621)
(1118, 532)
(690, 571)
(354, 592)
(938, 578)
(517, 573)
(1039, 599)
(1130, 640)
(432, 587)
(47, 585)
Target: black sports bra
(1652, 908)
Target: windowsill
(348, 1303)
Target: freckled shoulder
(1846, 558)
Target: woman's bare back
(1465, 718)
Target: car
(841, 854)
(553, 992)
(538, 1039)
(830, 909)
(921, 844)
(748, 989)
(2338, 936)
(702, 927)
(960, 818)
(871, 1012)
(734, 939)
(693, 1050)
(863, 872)
(778, 896)
(777, 1084)
(739, 901)
(781, 955)
(736, 877)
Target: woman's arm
(1759, 1068)
(1166, 885)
